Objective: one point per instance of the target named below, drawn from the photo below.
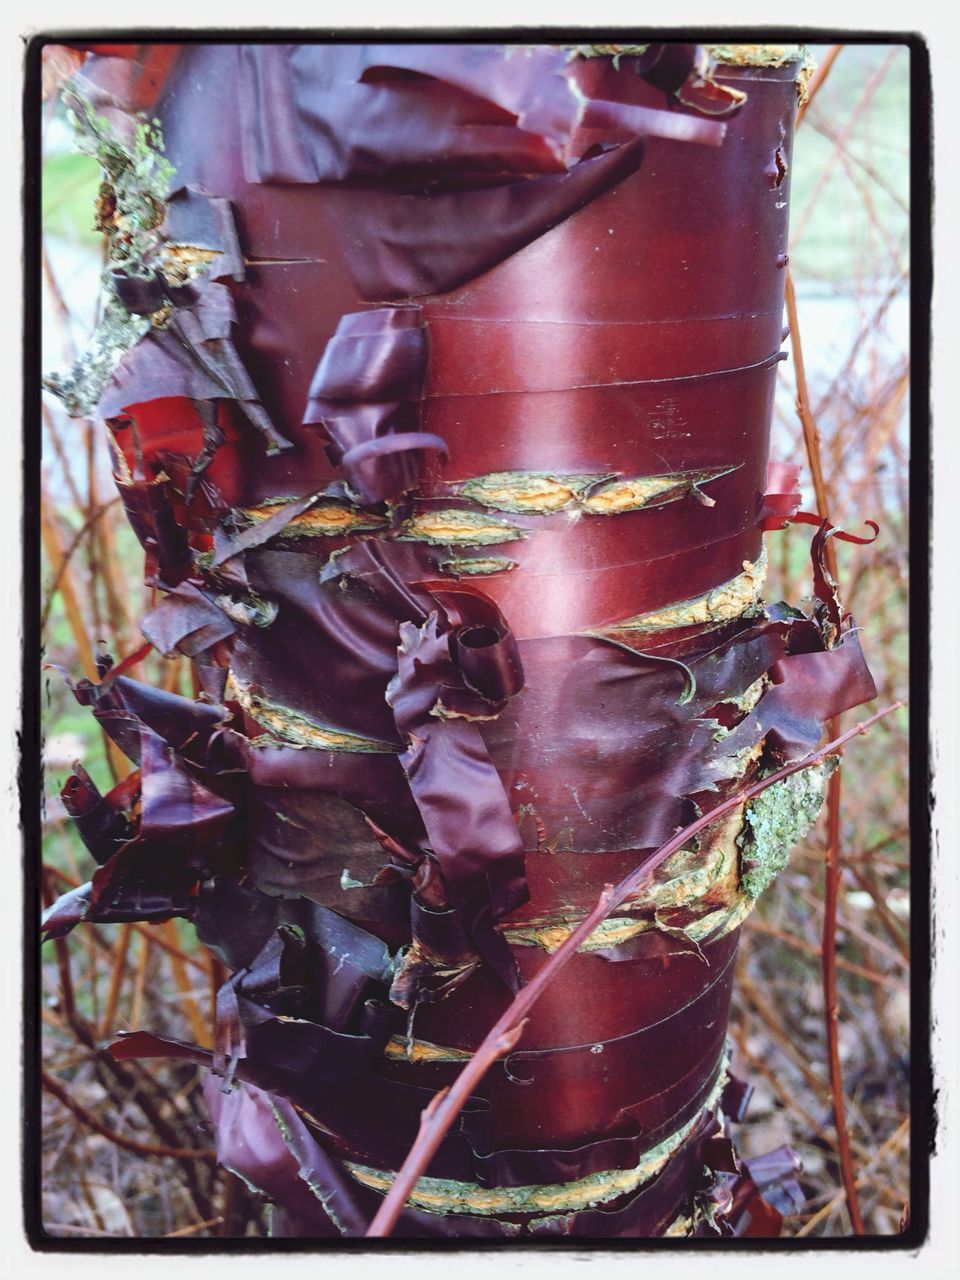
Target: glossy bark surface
(456, 459)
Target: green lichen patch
(776, 821)
(528, 492)
(633, 493)
(292, 729)
(476, 566)
(452, 526)
(608, 934)
(327, 518)
(401, 1048)
(445, 1195)
(755, 55)
(738, 597)
(323, 1194)
(544, 492)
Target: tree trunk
(440, 386)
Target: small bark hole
(778, 170)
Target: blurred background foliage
(104, 1126)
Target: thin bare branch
(62, 1094)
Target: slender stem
(194, 1227)
(446, 1105)
(116, 979)
(811, 432)
(869, 90)
(53, 431)
(828, 961)
(787, 1096)
(57, 555)
(87, 527)
(801, 944)
(828, 949)
(53, 545)
(896, 1140)
(198, 1024)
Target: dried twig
(62, 1094)
(801, 944)
(116, 979)
(828, 960)
(67, 554)
(896, 1139)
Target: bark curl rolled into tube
(366, 393)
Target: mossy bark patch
(326, 519)
(732, 599)
(776, 821)
(476, 566)
(755, 55)
(292, 729)
(528, 492)
(444, 1195)
(544, 493)
(455, 527)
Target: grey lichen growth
(81, 386)
(130, 209)
(136, 179)
(776, 821)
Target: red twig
(811, 432)
(828, 948)
(446, 1105)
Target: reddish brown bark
(453, 452)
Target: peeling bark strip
(488, 633)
